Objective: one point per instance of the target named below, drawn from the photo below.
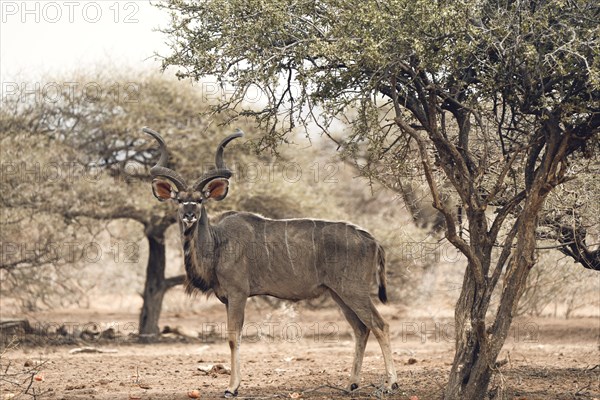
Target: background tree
(495, 103)
(77, 159)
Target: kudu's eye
(189, 202)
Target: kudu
(244, 254)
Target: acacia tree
(92, 139)
(496, 103)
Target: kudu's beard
(188, 223)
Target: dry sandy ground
(288, 352)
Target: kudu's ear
(163, 190)
(216, 189)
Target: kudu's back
(298, 259)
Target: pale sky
(43, 42)
(41, 38)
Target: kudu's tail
(381, 280)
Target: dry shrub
(555, 287)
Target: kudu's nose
(189, 216)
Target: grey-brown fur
(317, 255)
(244, 254)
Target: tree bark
(478, 345)
(155, 287)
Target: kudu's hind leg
(365, 310)
(235, 322)
(361, 336)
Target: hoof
(229, 395)
(395, 386)
(353, 387)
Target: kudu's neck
(198, 252)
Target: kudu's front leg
(235, 322)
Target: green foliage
(338, 54)
(486, 78)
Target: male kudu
(243, 254)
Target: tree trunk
(156, 284)
(478, 345)
(154, 288)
